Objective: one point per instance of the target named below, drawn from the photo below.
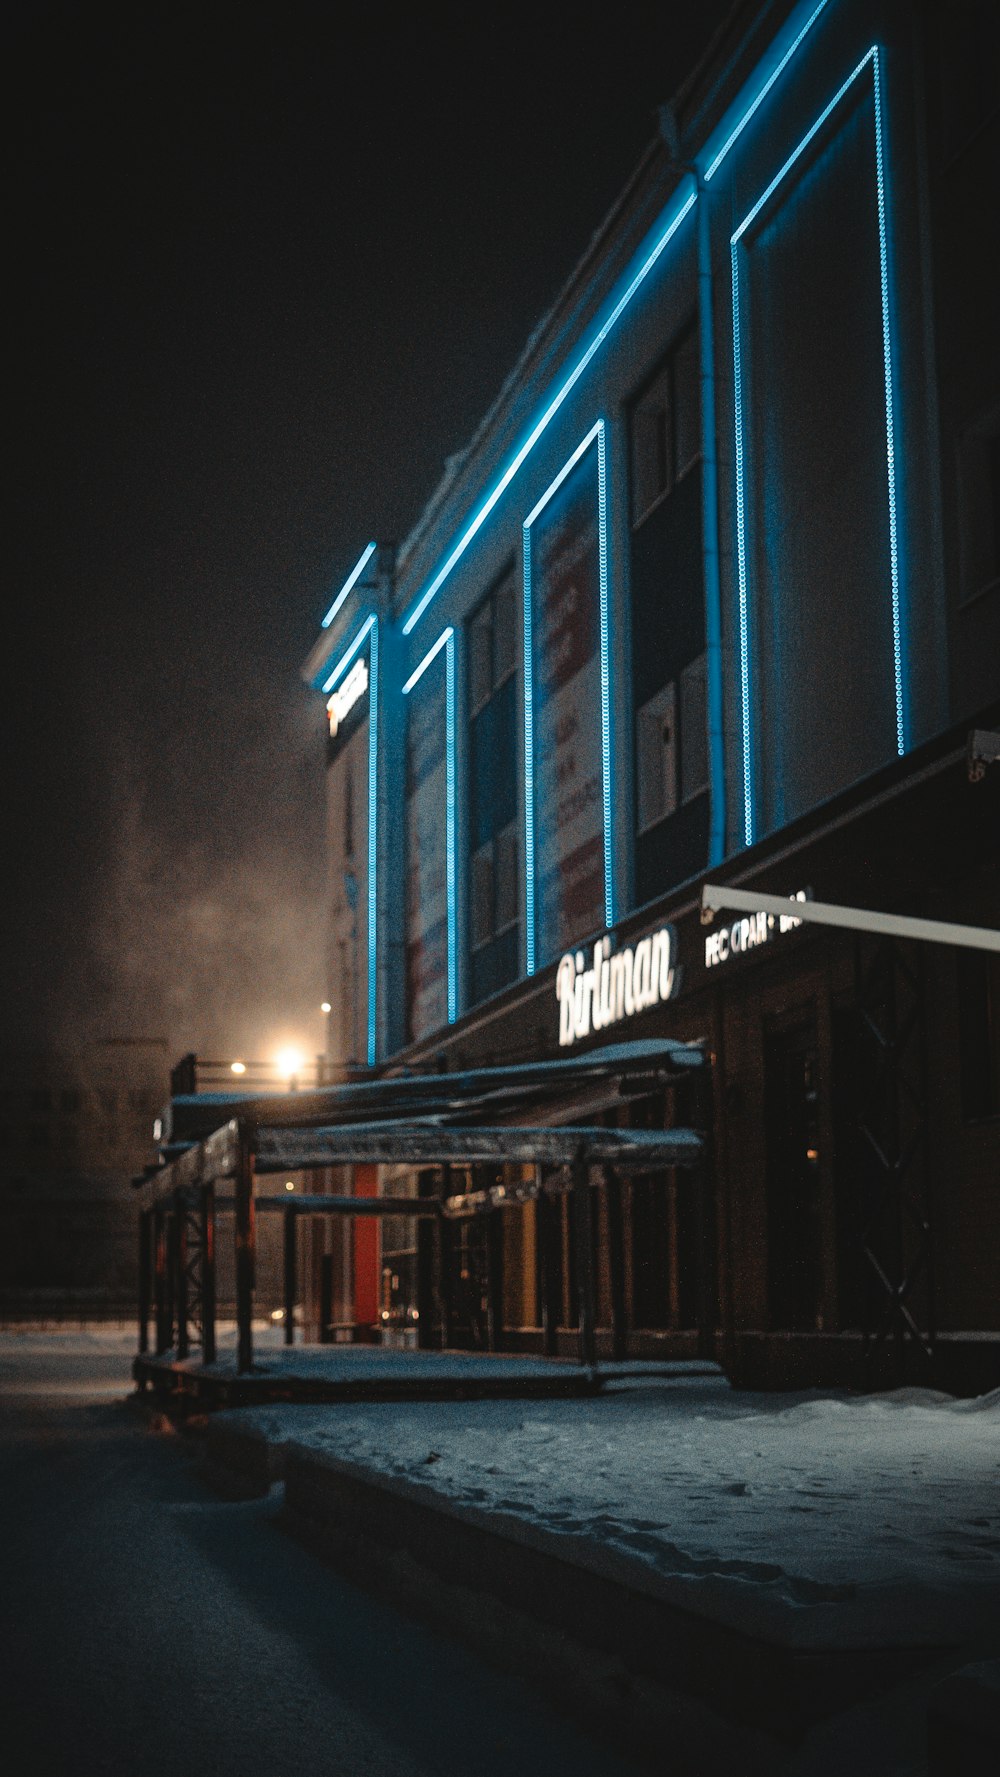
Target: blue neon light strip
(345, 659)
(597, 432)
(529, 761)
(351, 581)
(872, 57)
(670, 221)
(418, 673)
(372, 841)
(675, 213)
(446, 640)
(602, 552)
(902, 714)
(775, 75)
(450, 846)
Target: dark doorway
(794, 1203)
(662, 1234)
(473, 1274)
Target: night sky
(270, 265)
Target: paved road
(150, 1628)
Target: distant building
(74, 1130)
(713, 594)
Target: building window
(495, 869)
(666, 426)
(672, 746)
(668, 623)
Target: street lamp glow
(326, 1006)
(237, 1067)
(288, 1063)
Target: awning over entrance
(426, 1121)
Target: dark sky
(269, 266)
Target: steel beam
(428, 1144)
(715, 898)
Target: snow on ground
(886, 1505)
(883, 1509)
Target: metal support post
(547, 1213)
(895, 1232)
(583, 1217)
(290, 1230)
(245, 1254)
(145, 1281)
(160, 1280)
(616, 1261)
(181, 1273)
(702, 1107)
(208, 1346)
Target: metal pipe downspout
(710, 541)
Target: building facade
(75, 1128)
(713, 594)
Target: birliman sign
(616, 985)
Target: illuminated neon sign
(617, 985)
(348, 694)
(749, 933)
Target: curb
(627, 1649)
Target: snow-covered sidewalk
(886, 1507)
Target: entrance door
(472, 1265)
(794, 1202)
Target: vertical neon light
(373, 844)
(446, 640)
(529, 764)
(602, 535)
(368, 628)
(450, 856)
(749, 763)
(902, 721)
(596, 433)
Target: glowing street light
(237, 1067)
(289, 1065)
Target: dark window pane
(687, 403)
(482, 895)
(651, 465)
(505, 756)
(506, 878)
(505, 631)
(694, 730)
(480, 657)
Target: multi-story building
(714, 594)
(75, 1128)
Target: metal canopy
(502, 1092)
(434, 1120)
(428, 1144)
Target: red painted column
(366, 1255)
